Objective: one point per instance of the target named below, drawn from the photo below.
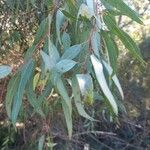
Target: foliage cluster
(72, 62)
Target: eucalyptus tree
(74, 55)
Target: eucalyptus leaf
(71, 52)
(98, 68)
(77, 99)
(25, 75)
(65, 65)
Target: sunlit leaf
(115, 79)
(124, 8)
(98, 68)
(124, 37)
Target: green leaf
(63, 92)
(43, 28)
(65, 65)
(123, 8)
(33, 100)
(86, 87)
(49, 63)
(25, 75)
(69, 15)
(98, 68)
(53, 52)
(4, 71)
(71, 52)
(124, 37)
(77, 100)
(41, 142)
(114, 78)
(68, 118)
(59, 22)
(11, 90)
(51, 59)
(111, 48)
(66, 104)
(66, 41)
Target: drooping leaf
(71, 52)
(59, 22)
(112, 50)
(123, 8)
(33, 100)
(68, 118)
(98, 68)
(115, 79)
(124, 37)
(43, 28)
(66, 104)
(25, 75)
(11, 90)
(77, 100)
(63, 92)
(4, 71)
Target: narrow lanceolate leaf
(25, 75)
(53, 52)
(114, 78)
(66, 41)
(68, 118)
(41, 31)
(86, 87)
(63, 92)
(59, 22)
(71, 52)
(98, 68)
(33, 100)
(123, 8)
(124, 37)
(41, 142)
(65, 65)
(53, 57)
(77, 100)
(66, 104)
(11, 90)
(4, 71)
(111, 49)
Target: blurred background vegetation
(18, 24)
